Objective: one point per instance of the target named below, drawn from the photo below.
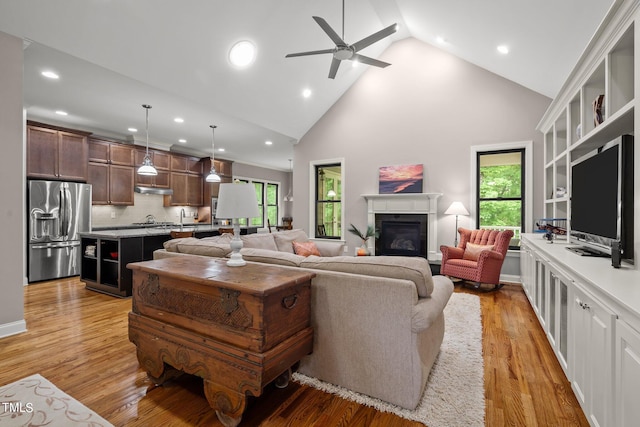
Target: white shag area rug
(454, 395)
(34, 401)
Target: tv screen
(602, 199)
(594, 195)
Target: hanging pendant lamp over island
(147, 167)
(213, 175)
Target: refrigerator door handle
(65, 206)
(55, 245)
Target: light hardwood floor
(78, 340)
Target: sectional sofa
(378, 321)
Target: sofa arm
(329, 247)
(427, 310)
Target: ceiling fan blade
(367, 41)
(311, 52)
(335, 63)
(327, 29)
(369, 61)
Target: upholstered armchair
(478, 257)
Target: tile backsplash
(144, 204)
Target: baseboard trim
(510, 278)
(13, 328)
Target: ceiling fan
(344, 51)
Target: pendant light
(289, 196)
(147, 165)
(213, 175)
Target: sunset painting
(400, 179)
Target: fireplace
(401, 234)
(405, 210)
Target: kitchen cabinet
(187, 164)
(113, 153)
(112, 184)
(161, 161)
(54, 153)
(224, 168)
(187, 182)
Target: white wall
(12, 187)
(428, 107)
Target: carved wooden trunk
(239, 328)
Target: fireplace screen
(402, 236)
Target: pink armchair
(478, 257)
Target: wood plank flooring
(78, 340)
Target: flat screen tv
(602, 198)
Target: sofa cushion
(271, 257)
(415, 269)
(172, 245)
(472, 251)
(204, 247)
(284, 239)
(305, 248)
(259, 241)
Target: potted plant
(371, 232)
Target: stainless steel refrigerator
(58, 211)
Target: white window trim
(264, 197)
(528, 185)
(312, 192)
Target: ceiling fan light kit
(346, 52)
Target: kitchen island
(106, 252)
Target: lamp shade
(456, 208)
(237, 201)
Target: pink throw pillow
(472, 251)
(305, 248)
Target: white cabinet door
(627, 378)
(591, 358)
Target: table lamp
(456, 208)
(235, 201)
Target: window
(500, 191)
(328, 200)
(267, 198)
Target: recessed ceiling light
(306, 93)
(182, 140)
(268, 143)
(221, 150)
(50, 75)
(503, 49)
(242, 54)
(178, 120)
(62, 113)
(132, 129)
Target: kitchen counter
(106, 252)
(138, 231)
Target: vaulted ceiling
(115, 55)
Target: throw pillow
(472, 251)
(305, 248)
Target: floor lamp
(456, 208)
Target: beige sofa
(378, 321)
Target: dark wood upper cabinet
(56, 154)
(111, 184)
(104, 151)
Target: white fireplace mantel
(407, 203)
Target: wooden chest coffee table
(239, 328)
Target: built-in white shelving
(590, 310)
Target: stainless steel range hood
(153, 190)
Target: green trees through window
(501, 190)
